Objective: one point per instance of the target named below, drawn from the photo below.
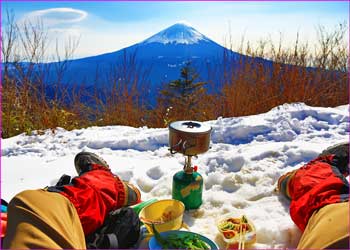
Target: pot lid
(190, 126)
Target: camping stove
(188, 138)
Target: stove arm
(172, 150)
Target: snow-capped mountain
(178, 41)
(161, 55)
(179, 33)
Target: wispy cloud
(56, 16)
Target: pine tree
(182, 98)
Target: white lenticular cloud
(55, 16)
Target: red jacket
(316, 184)
(94, 194)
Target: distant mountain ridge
(162, 55)
(177, 41)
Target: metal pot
(189, 137)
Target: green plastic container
(137, 208)
(187, 187)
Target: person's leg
(328, 227)
(42, 219)
(83, 162)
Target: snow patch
(240, 170)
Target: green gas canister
(187, 187)
(189, 138)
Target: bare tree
(25, 104)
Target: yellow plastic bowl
(158, 213)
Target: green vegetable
(227, 226)
(173, 241)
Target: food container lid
(190, 127)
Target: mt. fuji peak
(179, 33)
(161, 57)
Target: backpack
(121, 229)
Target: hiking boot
(341, 159)
(341, 150)
(83, 161)
(132, 194)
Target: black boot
(83, 161)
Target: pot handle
(171, 149)
(185, 146)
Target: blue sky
(109, 26)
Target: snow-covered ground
(240, 171)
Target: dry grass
(296, 75)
